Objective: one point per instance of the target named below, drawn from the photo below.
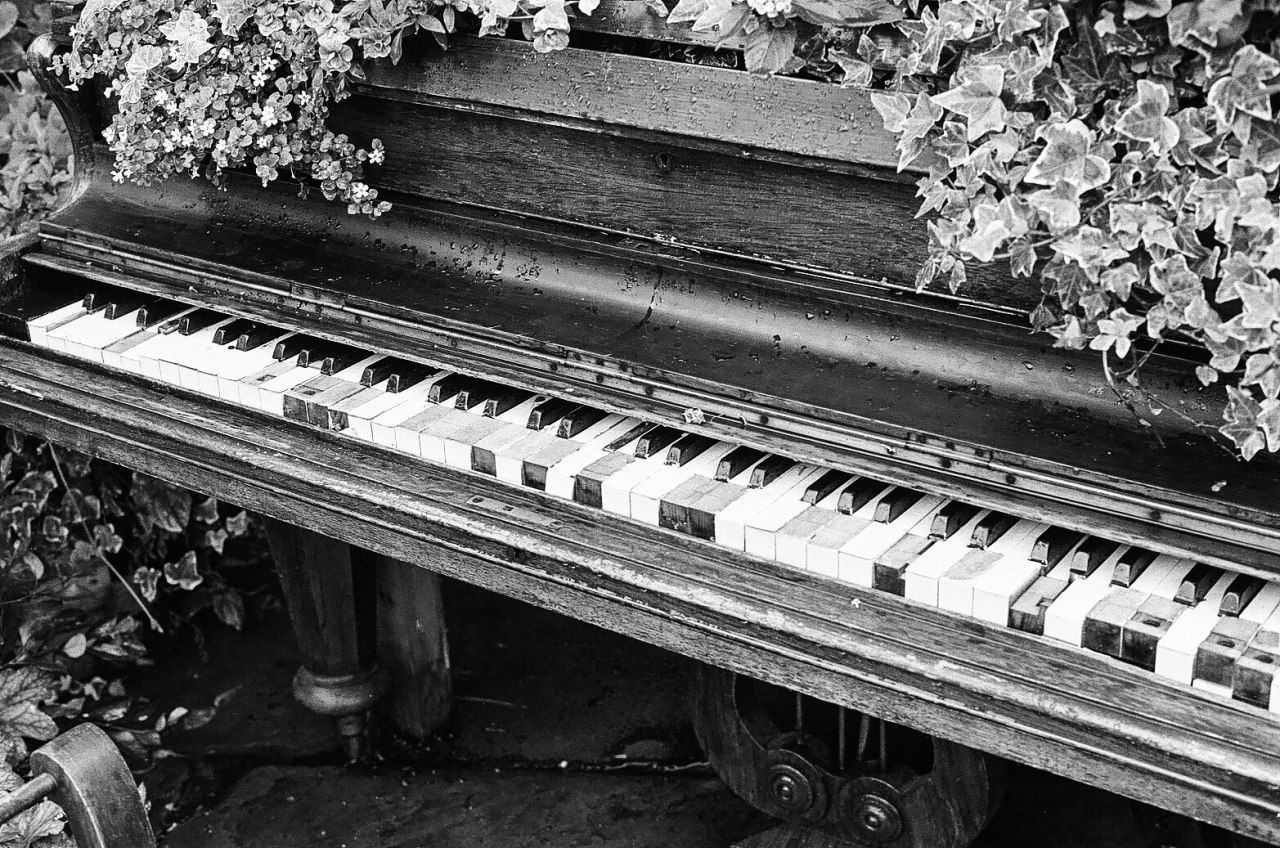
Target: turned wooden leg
(413, 648)
(331, 605)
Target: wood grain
(413, 646)
(769, 113)
(1009, 693)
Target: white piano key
(1176, 652)
(1064, 620)
(271, 393)
(790, 541)
(615, 490)
(956, 592)
(922, 576)
(39, 327)
(760, 532)
(71, 336)
(180, 364)
(361, 420)
(432, 439)
(646, 498)
(731, 522)
(457, 451)
(1264, 605)
(857, 557)
(594, 438)
(407, 404)
(243, 363)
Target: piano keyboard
(1184, 621)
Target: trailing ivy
(1128, 151)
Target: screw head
(875, 818)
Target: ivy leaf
(1261, 304)
(148, 581)
(1242, 427)
(990, 231)
(21, 690)
(1146, 119)
(1066, 158)
(977, 98)
(1059, 206)
(1200, 22)
(1262, 370)
(232, 14)
(1135, 9)
(1116, 332)
(184, 573)
(238, 525)
(687, 11)
(770, 49)
(159, 504)
(229, 608)
(188, 38)
(1089, 69)
(847, 13)
(207, 511)
(1245, 88)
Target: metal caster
(837, 777)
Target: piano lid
(949, 394)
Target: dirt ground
(563, 735)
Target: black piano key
(550, 412)
(158, 311)
(656, 440)
(578, 420)
(338, 359)
(129, 302)
(687, 447)
(476, 392)
(1028, 611)
(1053, 545)
(1130, 565)
(194, 322)
(632, 434)
(292, 347)
(948, 521)
(737, 461)
(232, 330)
(825, 485)
(860, 492)
(382, 370)
(257, 336)
(500, 402)
(1092, 553)
(1199, 580)
(1145, 629)
(1243, 589)
(991, 528)
(411, 375)
(100, 295)
(447, 387)
(894, 503)
(889, 572)
(768, 470)
(1216, 657)
(1255, 671)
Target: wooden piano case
(680, 237)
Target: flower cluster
(1131, 154)
(208, 85)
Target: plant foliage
(91, 557)
(1128, 151)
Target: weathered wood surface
(634, 19)
(747, 111)
(943, 399)
(657, 188)
(413, 645)
(317, 578)
(1006, 692)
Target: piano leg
(331, 605)
(413, 647)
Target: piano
(652, 357)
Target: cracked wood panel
(998, 690)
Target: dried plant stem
(142, 605)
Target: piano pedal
(838, 778)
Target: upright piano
(647, 352)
